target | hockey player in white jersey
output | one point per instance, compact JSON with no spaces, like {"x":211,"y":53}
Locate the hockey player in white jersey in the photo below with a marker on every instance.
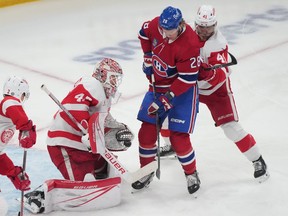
{"x":13,"y":117}
{"x":90,"y":183}
{"x":216,"y":93}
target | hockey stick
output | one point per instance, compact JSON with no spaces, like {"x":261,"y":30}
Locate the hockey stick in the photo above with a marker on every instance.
{"x":233,"y":62}
{"x":21,"y":212}
{"x":158,"y":172}
{"x":105,"y":153}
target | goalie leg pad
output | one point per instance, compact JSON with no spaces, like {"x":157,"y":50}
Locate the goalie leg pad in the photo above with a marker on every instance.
{"x":66,"y":195}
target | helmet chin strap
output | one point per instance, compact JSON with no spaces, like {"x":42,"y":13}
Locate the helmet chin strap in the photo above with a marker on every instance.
{"x":23,"y":98}
{"x":116,"y":97}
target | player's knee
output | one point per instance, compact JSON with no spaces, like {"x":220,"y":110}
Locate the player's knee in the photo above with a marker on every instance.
{"x":180,"y":141}
{"x":234,"y":131}
{"x":147,"y":134}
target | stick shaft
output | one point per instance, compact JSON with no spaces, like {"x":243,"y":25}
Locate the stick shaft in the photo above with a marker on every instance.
{"x":44,"y":88}
{"x":23,"y":174}
{"x":158,"y":171}
{"x":233,"y":62}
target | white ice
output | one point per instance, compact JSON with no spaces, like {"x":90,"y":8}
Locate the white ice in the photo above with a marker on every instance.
{"x":43,"y":40}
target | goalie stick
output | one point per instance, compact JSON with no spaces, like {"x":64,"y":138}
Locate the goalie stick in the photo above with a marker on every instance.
{"x":105,"y":153}
{"x":233,"y":62}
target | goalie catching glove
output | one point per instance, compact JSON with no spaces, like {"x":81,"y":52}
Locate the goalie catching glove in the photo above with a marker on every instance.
{"x":118,"y":139}
{"x":114,"y":135}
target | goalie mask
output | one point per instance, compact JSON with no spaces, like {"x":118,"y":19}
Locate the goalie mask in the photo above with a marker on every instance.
{"x":16,"y":87}
{"x":109,"y":73}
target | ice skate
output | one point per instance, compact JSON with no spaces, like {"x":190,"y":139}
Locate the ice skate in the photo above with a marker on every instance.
{"x":193,"y":183}
{"x":166,"y":151}
{"x":143,"y":182}
{"x":34,"y":201}
{"x":260,"y":170}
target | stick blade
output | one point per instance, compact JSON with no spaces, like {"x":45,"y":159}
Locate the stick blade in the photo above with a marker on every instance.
{"x":158,"y":173}
{"x":146,"y":170}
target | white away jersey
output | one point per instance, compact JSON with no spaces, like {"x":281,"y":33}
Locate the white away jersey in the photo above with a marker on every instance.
{"x":86,"y":98}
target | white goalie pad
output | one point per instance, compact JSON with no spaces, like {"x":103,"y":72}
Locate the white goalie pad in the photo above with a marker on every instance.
{"x":66,"y":195}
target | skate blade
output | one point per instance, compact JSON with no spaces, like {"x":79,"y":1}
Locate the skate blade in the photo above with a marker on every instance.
{"x":195,"y":195}
{"x":139,"y":190}
{"x":263,"y":178}
{"x":169,"y":157}
{"x":134,"y":191}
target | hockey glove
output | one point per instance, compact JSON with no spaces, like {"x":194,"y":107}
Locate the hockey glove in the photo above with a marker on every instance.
{"x":147,"y":64}
{"x":125,"y":136}
{"x":205,"y":74}
{"x":20,"y":181}
{"x":162,"y":105}
{"x":27,"y":138}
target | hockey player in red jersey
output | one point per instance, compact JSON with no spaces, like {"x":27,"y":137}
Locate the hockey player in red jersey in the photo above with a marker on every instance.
{"x":92,"y":184}
{"x":215,"y":91}
{"x":171,"y":58}
{"x":12,"y":118}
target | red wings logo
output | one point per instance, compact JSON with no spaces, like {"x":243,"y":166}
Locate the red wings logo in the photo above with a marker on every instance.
{"x":7,"y":135}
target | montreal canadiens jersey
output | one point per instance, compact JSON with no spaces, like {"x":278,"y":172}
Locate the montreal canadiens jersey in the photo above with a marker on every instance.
{"x":175,"y":63}
{"x":86,"y":98}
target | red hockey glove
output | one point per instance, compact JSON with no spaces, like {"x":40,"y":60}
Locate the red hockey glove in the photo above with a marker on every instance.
{"x":205,"y":74}
{"x":20,"y":182}
{"x":162,"y":105}
{"x":147,"y":64}
{"x":7,"y":165}
{"x":27,"y":138}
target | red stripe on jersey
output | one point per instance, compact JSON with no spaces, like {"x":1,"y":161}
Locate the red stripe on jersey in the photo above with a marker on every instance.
{"x":57,"y":183}
{"x":64,"y":134}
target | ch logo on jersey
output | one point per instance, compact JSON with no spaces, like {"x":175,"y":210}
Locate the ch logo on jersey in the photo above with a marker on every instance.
{"x":159,"y":66}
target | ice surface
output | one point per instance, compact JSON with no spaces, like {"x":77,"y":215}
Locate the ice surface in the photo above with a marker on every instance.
{"x":55,"y":42}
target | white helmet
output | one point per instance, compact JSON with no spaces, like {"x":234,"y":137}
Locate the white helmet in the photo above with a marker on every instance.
{"x":109,"y":73}
{"x":16,"y":87}
{"x":206,"y":16}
